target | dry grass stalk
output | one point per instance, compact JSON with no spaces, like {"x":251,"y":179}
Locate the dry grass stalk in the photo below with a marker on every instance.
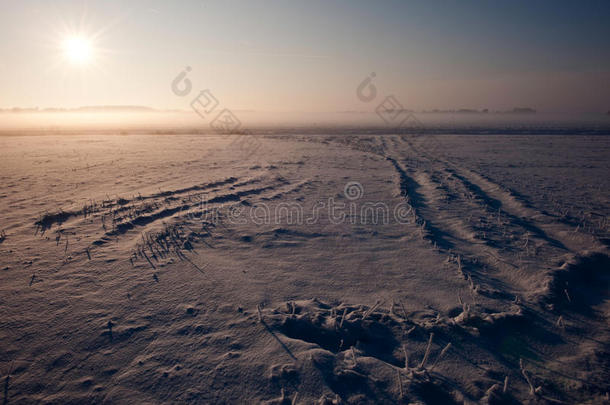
{"x":399,"y":384}
{"x":492,"y":390}
{"x":427,"y":353}
{"x":527,"y":378}
{"x":560,"y":322}
{"x":440,"y":355}
{"x":371,"y":310}
{"x":404,"y":350}
{"x":342,"y":318}
{"x":260,"y":314}
{"x":465,"y":307}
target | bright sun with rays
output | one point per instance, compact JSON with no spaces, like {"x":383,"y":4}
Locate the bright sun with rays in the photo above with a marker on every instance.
{"x":78,"y":50}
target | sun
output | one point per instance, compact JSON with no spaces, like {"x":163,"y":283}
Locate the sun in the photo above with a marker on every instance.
{"x":78,"y":50}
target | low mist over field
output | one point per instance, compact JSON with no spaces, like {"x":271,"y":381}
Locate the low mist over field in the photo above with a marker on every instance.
{"x":130,"y":119}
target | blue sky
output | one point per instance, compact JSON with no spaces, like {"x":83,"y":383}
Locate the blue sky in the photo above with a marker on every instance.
{"x":310,"y":55}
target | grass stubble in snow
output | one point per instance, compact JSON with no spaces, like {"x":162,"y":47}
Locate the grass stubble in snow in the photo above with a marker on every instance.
{"x":147,"y":269}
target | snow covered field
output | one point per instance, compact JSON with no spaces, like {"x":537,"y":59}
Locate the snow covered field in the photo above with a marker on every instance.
{"x":292,"y":269}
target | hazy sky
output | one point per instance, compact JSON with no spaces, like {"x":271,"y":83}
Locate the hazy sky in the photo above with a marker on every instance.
{"x":309,"y":55}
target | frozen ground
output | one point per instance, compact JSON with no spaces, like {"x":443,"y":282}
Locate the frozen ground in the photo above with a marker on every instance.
{"x":295,"y":269}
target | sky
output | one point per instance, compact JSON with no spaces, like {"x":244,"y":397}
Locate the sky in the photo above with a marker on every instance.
{"x":308,"y":56}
